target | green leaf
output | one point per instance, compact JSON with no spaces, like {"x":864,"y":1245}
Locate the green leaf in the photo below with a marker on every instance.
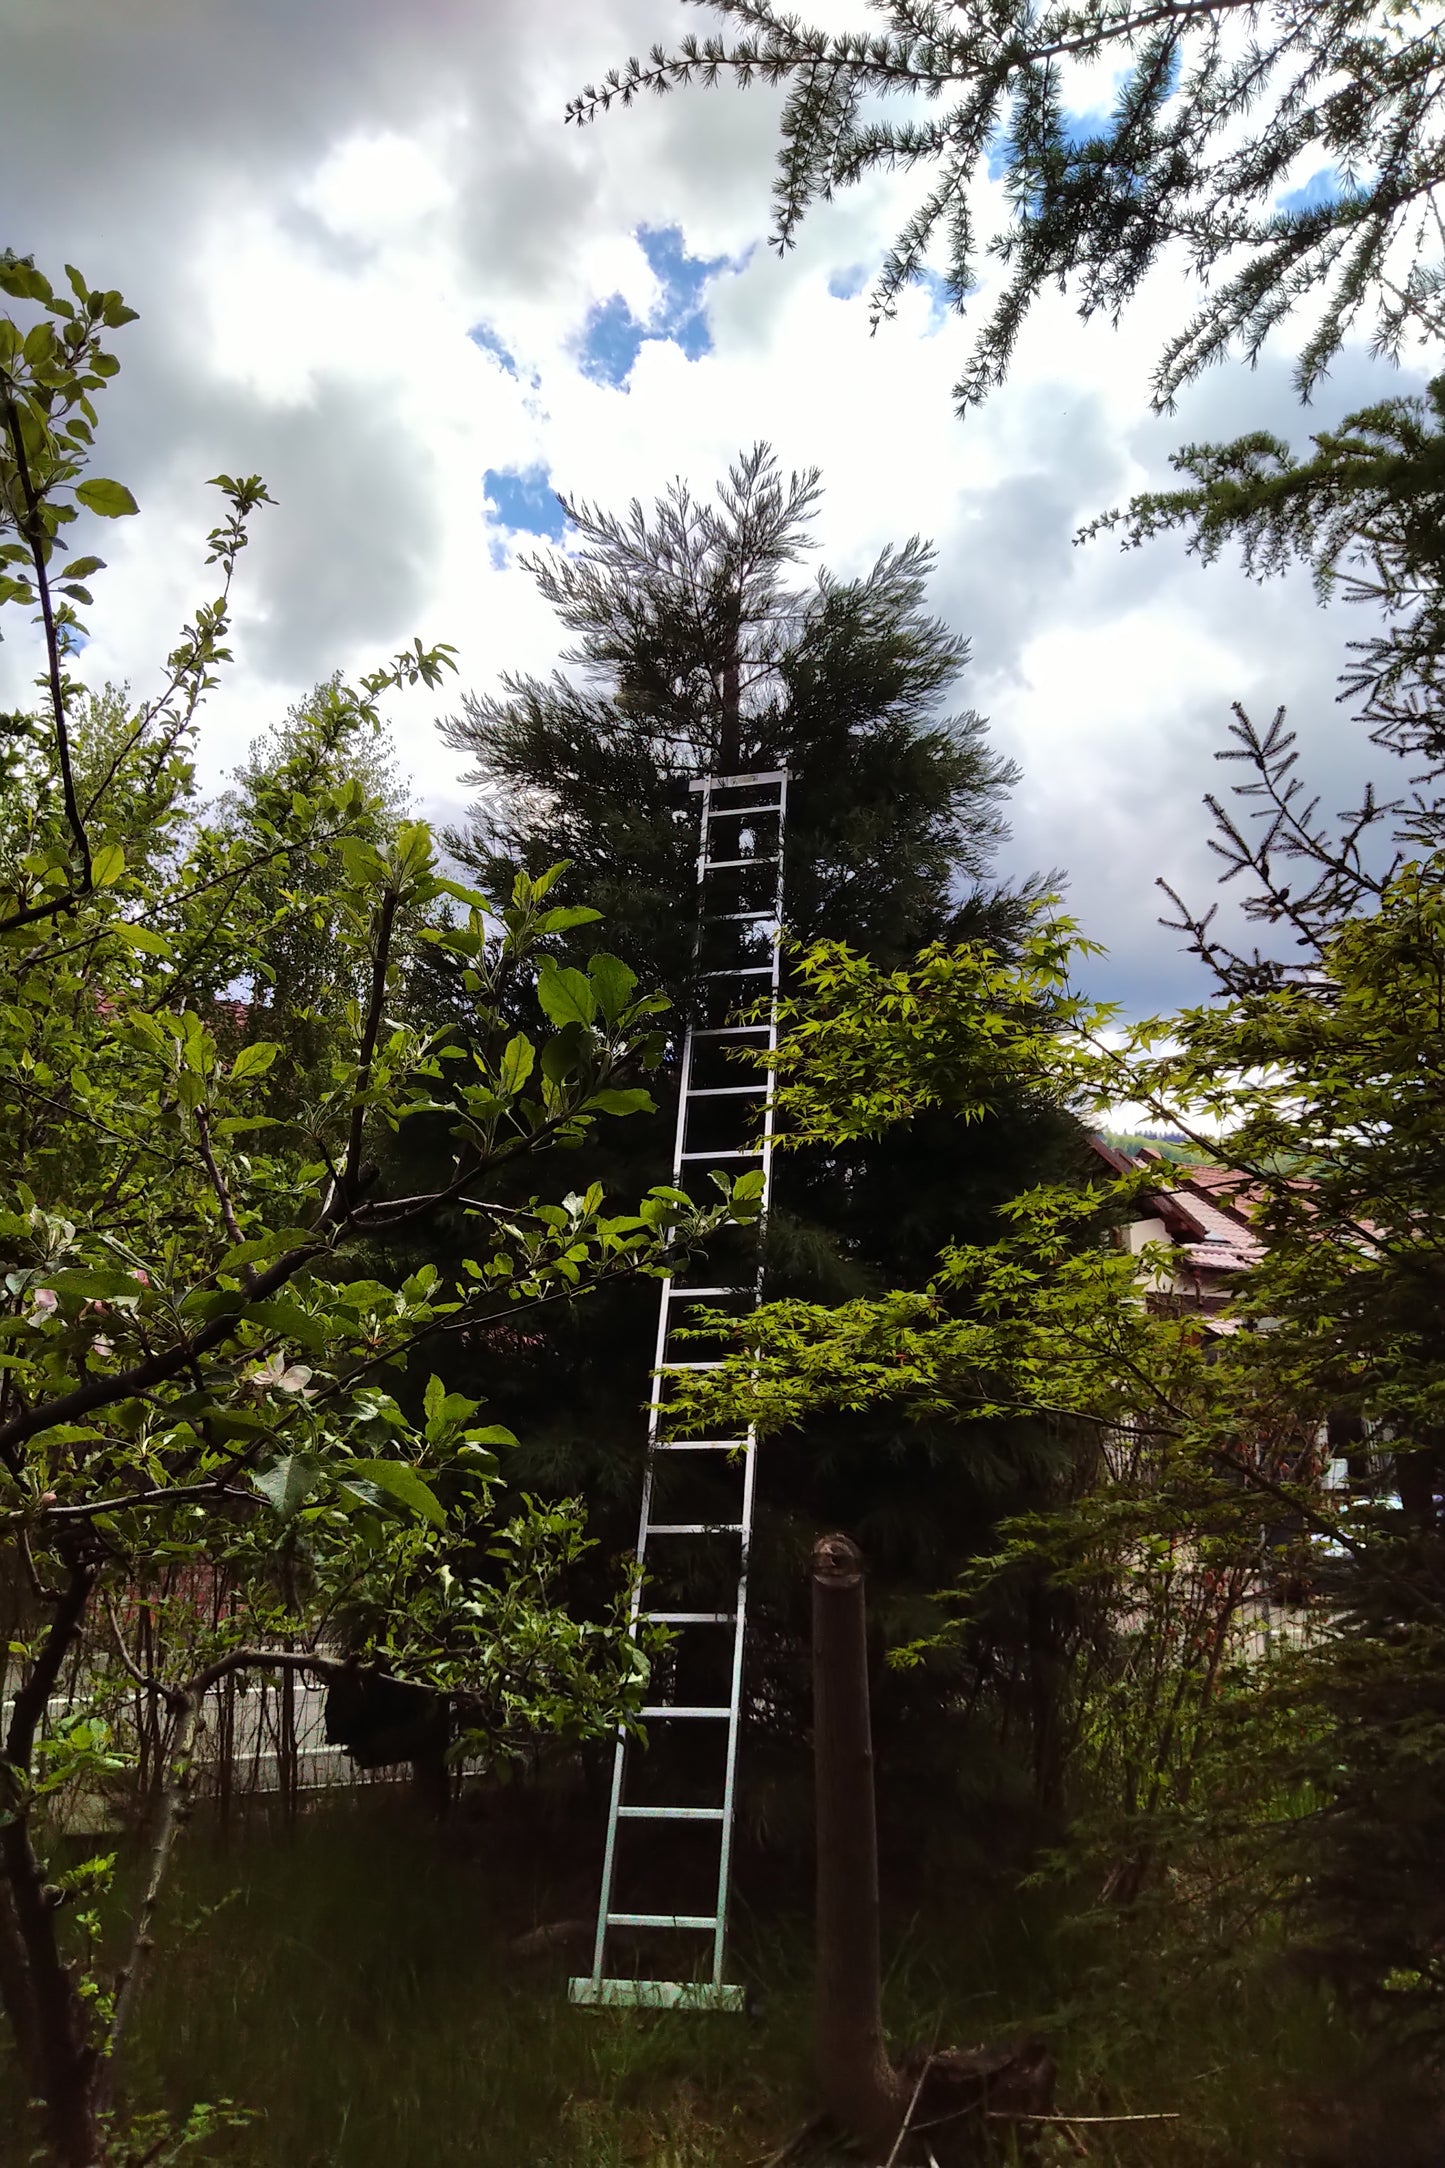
{"x":566,"y":995}
{"x":143,"y":938}
{"x":18,"y":276}
{"x":517,"y":1064}
{"x":635,"y":1101}
{"x":286,"y":1317}
{"x":247,"y":1253}
{"x":288,"y":1484}
{"x":94,"y":1283}
{"x":207,"y":1305}
{"x":80,"y":568}
{"x":463,"y":894}
{"x":561,"y":1055}
{"x":363,"y":864}
{"x":253,"y":1060}
{"x":109,"y":500}
{"x":402,"y":1483}
{"x":528,"y":889}
{"x":107,"y":865}
{"x":434,"y":1398}
{"x":565,"y":917}
{"x":613,"y":983}
{"x":39,"y":346}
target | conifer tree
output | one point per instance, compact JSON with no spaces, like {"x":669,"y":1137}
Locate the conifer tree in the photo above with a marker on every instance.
{"x":701,"y":647}
{"x":698,"y":654}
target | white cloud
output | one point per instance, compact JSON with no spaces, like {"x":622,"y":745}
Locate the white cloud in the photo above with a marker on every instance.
{"x":313,"y":208}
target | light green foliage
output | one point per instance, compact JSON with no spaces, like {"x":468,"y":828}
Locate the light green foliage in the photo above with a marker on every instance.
{"x":964,"y":1027}
{"x":995,"y":1332}
{"x":206,"y":1369}
{"x":1213,"y":109}
{"x":1195,"y":1458}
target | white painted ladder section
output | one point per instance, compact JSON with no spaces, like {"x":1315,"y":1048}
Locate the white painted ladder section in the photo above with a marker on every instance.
{"x":742,"y":822}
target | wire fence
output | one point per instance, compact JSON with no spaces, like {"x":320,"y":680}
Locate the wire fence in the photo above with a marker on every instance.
{"x":257,"y":1735}
{"x":256,"y":1738}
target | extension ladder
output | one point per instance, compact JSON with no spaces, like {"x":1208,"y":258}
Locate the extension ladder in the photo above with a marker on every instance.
{"x":738,"y":957}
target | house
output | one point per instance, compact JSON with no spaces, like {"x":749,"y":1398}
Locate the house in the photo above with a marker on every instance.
{"x":1205,"y":1214}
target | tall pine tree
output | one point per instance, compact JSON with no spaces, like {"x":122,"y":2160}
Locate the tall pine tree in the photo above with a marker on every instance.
{"x":701,"y":646}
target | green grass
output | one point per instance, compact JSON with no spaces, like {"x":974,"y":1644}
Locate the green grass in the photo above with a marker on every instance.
{"x":352,"y":1982}
{"x":360,"y":1990}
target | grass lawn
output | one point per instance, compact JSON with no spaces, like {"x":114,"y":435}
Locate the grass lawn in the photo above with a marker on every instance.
{"x":353,"y":1982}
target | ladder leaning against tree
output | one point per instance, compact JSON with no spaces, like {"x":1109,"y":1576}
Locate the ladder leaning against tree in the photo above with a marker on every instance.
{"x":720,"y":1120}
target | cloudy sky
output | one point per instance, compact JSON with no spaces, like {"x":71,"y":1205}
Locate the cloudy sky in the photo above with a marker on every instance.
{"x":374,"y":266}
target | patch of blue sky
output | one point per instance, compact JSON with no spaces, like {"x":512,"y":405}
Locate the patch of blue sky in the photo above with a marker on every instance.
{"x":612,"y":337}
{"x":843,"y":285}
{"x":1083,"y":127}
{"x":940,"y":298}
{"x":482,"y":335}
{"x":522,"y":500}
{"x":611,"y":342}
{"x":684,"y":280}
{"x":1323,"y":186}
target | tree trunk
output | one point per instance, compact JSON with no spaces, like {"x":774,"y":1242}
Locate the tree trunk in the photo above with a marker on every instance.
{"x":48,"y":2017}
{"x":859,"y":2088}
{"x":729,"y":758}
{"x":50,"y":2021}
{"x":730,"y":734}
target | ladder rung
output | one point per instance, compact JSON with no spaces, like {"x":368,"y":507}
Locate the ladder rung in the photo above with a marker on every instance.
{"x":734,"y":918}
{"x":741,"y":971}
{"x":728,"y":1091}
{"x":730,"y":865}
{"x":759,"y":776}
{"x":671,"y":1814}
{"x":700,"y":1445}
{"x":661,"y":1919}
{"x":657,"y":1994}
{"x":691,"y":1618}
{"x":728,"y":1031}
{"x":671,"y":1709}
{"x":693,"y":1528}
{"x":695,"y":1294}
{"x":717,"y":1365}
{"x":753,"y":1151}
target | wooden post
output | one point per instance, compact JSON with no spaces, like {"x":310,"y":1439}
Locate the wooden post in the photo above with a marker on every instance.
{"x":858,"y":2086}
{"x":288,"y":1758}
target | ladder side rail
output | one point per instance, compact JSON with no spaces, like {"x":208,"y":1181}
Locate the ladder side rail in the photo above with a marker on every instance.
{"x":750,"y":1449}
{"x":654,"y":1417}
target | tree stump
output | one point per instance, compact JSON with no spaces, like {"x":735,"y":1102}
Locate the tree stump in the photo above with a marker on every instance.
{"x":963,"y":2088}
